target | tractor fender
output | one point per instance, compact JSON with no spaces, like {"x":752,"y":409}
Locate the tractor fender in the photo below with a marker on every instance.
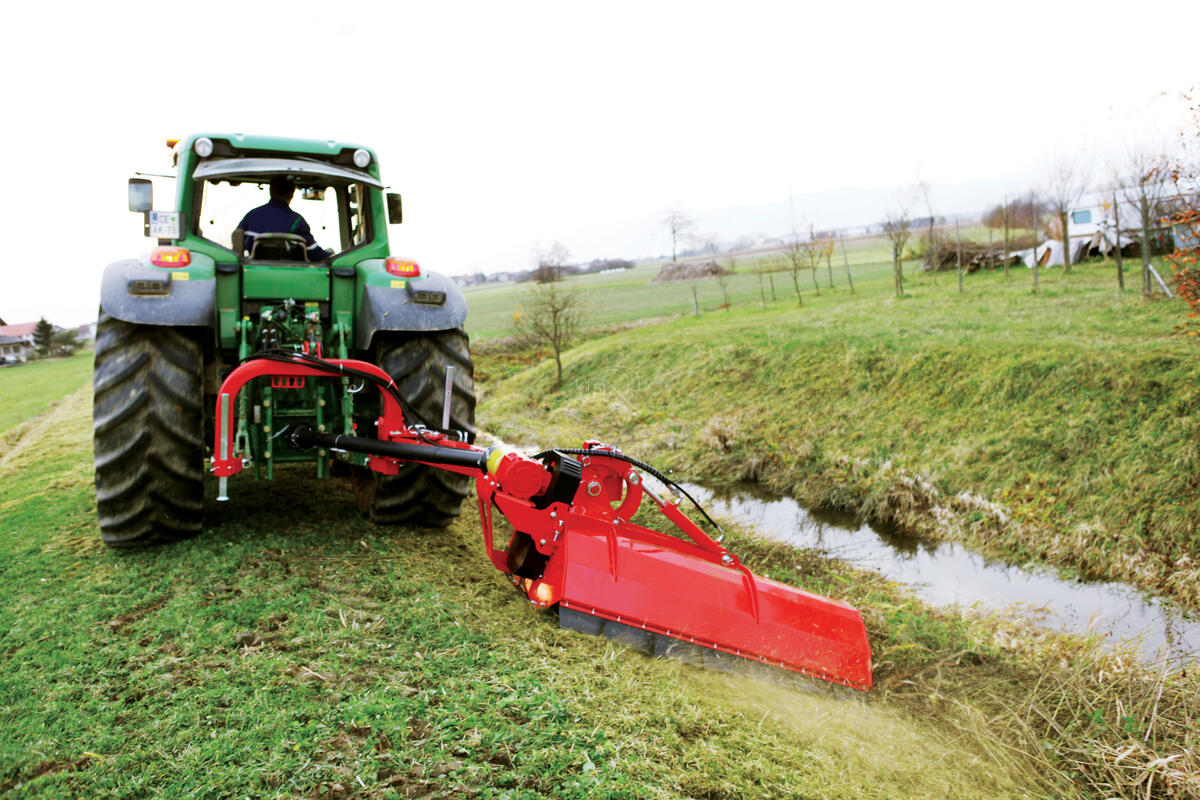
{"x":133,"y":291}
{"x":395,"y":307}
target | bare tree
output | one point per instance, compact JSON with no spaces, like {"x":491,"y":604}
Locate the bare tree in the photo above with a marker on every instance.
{"x":709,"y":245}
{"x":958,"y":255}
{"x":898,"y":227}
{"x":1143,"y":179}
{"x":795,"y":256}
{"x":846,"y":261}
{"x":1117,"y":243}
{"x":1006,"y":219}
{"x":681,"y":228}
{"x":933,"y":244}
{"x":549,"y":261}
{"x":827,"y":243}
{"x":723,"y":279}
{"x":550,"y":315}
{"x":1184,"y":212}
{"x":1064,"y":185}
{"x":1034,"y":218}
{"x":813,"y":253}
{"x":1115,"y":231}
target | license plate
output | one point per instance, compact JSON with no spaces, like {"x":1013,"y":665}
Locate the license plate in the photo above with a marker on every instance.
{"x":164,"y":224}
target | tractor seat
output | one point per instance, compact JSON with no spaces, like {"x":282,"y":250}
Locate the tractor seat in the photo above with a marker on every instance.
{"x":279,"y":247}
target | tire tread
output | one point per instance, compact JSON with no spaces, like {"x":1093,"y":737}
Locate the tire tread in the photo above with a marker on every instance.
{"x":421,"y":495}
{"x":147,"y":433}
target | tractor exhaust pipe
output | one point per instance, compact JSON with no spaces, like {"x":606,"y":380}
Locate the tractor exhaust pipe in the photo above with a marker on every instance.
{"x":304,"y":437}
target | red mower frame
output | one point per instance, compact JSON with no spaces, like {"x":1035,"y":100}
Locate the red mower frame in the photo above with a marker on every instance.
{"x":574,"y":545}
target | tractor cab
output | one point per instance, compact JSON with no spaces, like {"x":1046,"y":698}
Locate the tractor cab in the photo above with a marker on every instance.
{"x":333,"y":199}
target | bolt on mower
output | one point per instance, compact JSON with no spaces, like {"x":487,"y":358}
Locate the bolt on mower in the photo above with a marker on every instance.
{"x":356,"y":362}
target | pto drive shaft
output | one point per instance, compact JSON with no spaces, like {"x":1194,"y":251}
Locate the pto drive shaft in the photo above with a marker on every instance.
{"x":304,"y":437}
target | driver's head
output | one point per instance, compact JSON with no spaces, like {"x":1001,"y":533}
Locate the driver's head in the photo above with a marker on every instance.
{"x":282,"y":188}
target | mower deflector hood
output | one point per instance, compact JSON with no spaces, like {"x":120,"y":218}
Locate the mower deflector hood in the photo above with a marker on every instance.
{"x":651,"y":581}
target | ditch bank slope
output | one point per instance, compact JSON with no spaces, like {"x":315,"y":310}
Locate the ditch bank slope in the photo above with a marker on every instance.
{"x":1059,"y":429}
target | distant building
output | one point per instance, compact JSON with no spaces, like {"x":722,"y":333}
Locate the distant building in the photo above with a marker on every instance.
{"x":14,"y":348}
{"x":22,"y":331}
{"x":17,"y":341}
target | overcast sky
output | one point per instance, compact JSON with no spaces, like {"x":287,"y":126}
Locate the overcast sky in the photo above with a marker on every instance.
{"x":506,"y":124}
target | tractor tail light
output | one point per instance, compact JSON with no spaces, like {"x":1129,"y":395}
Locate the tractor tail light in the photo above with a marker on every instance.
{"x":401,"y":268}
{"x":170,"y":257}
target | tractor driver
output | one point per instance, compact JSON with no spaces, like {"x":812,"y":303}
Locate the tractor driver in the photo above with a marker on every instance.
{"x":277,"y":217}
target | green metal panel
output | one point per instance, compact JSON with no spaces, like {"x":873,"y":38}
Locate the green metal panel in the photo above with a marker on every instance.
{"x":342,"y":305}
{"x":229,"y":304}
{"x":299,"y":283}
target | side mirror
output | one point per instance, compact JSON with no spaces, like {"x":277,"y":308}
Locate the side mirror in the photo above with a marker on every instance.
{"x":395,"y":213}
{"x":141,"y":194}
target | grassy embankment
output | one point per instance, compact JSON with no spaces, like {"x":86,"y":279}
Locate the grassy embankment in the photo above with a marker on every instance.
{"x":295,"y":650}
{"x":1061,"y":426}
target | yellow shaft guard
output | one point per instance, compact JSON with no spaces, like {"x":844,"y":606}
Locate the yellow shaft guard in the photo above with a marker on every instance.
{"x":494,"y":456}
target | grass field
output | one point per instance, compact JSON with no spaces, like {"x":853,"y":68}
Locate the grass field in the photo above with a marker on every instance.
{"x":629,"y":296}
{"x":31,"y":388}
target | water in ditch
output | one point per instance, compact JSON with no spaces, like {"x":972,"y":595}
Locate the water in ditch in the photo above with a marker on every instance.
{"x":946,"y":573}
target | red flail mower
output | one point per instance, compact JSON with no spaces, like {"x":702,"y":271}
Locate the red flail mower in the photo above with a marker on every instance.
{"x":573,"y":545}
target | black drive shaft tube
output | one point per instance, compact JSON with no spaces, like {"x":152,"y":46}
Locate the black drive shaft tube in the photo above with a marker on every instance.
{"x":304,"y":437}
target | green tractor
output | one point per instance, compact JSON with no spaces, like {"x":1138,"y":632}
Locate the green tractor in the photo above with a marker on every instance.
{"x":177,"y":320}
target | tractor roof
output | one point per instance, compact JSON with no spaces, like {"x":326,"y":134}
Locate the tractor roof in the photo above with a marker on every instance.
{"x":264,"y":168}
{"x":280,"y":144}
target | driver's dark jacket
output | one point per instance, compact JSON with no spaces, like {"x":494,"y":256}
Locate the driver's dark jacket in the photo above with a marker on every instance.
{"x":277,"y":217}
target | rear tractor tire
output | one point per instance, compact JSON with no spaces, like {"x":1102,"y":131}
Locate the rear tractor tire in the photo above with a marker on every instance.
{"x":417,"y":362}
{"x":147,"y":422}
